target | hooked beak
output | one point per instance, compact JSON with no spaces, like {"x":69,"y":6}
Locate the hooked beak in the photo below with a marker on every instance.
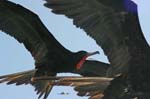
{"x":79,"y":65}
{"x":92,"y":53}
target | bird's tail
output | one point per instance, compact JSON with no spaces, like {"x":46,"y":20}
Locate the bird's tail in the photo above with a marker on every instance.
{"x":42,"y":88}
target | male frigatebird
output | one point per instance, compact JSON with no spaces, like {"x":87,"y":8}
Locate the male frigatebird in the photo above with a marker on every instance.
{"x":49,"y":55}
{"x":115,"y":26}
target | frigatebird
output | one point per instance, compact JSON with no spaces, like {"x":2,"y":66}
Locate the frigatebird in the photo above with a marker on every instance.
{"x":49,"y":55}
{"x":115,"y":26}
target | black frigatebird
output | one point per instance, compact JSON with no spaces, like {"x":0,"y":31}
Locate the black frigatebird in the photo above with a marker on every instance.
{"x":114,"y":24}
{"x":49,"y":55}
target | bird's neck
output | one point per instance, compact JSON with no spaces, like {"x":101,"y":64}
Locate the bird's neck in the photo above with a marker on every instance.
{"x":80,"y":63}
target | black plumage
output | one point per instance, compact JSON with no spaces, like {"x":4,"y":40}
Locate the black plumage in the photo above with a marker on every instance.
{"x":114,"y":24}
{"x":93,"y":68}
{"x":49,"y":55}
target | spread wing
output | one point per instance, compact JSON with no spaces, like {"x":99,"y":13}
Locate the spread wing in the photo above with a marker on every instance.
{"x":85,"y":86}
{"x":26,"y":27}
{"x":113,"y":24}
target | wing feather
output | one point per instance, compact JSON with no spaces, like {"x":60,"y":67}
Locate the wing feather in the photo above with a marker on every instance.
{"x":26,"y":27}
{"x":113,"y":24}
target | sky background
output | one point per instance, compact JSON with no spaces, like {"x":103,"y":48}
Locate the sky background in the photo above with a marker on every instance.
{"x":15,"y":58}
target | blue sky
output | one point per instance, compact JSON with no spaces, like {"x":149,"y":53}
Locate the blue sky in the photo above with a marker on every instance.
{"x":14,"y":57}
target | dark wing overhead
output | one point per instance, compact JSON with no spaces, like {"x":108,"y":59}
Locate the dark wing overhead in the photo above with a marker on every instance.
{"x":112,"y":23}
{"x":27,"y":28}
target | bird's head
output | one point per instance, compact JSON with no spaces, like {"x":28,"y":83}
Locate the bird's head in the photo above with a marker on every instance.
{"x":82,"y":56}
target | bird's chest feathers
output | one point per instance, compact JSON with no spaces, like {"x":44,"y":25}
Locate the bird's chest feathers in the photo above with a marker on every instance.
{"x":62,"y":66}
